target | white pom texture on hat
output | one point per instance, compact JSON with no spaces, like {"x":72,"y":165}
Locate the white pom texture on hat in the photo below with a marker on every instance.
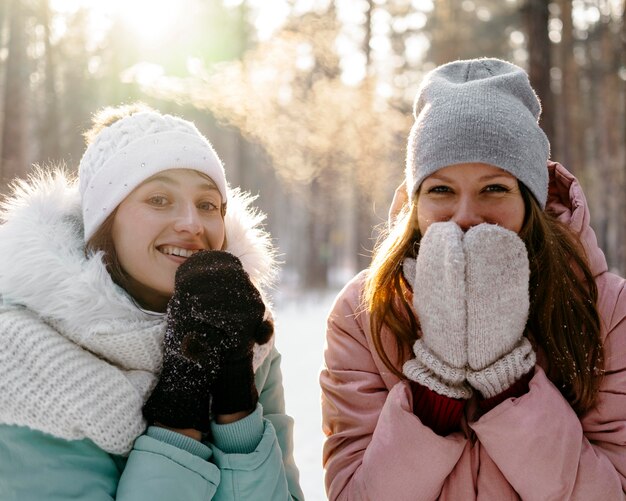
{"x":131,"y":150}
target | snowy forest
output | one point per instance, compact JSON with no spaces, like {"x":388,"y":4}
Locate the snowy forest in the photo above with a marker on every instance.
{"x":309,"y":103}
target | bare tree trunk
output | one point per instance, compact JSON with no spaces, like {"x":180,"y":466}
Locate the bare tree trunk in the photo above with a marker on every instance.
{"x":79,"y":95}
{"x":445,"y":33}
{"x":315,"y":271}
{"x":3,"y":20}
{"x":603,"y":176}
{"x":571,"y":137}
{"x":611,"y":96}
{"x":50,"y":126}
{"x":3,"y":15}
{"x":621,"y":221}
{"x":363,"y":219}
{"x":16,"y":85}
{"x":238,"y":149}
{"x":536,"y":16}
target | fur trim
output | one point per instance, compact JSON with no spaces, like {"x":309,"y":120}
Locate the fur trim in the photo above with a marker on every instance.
{"x":44,"y":268}
{"x":43,"y":265}
{"x":81,"y":359}
{"x":246,"y":238}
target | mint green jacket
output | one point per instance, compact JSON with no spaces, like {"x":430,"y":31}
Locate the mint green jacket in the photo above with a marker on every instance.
{"x":251,"y":459}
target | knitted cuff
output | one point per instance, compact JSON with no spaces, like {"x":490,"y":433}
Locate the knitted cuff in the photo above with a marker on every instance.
{"x":449,"y":375}
{"x":440,"y":413}
{"x":505,"y":371}
{"x":240,"y":437}
{"x":180,"y":441}
{"x":416,"y":371}
{"x":516,"y":390}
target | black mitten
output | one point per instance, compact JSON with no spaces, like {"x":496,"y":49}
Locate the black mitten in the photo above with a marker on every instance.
{"x":231,"y":308}
{"x":182,"y":397}
{"x":234,"y":389}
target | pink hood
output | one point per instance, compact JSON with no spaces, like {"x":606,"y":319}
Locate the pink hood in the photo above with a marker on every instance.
{"x":567,"y":200}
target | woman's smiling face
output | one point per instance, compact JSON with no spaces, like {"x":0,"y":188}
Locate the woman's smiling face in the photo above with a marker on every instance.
{"x":164,"y":220}
{"x":470,"y":194}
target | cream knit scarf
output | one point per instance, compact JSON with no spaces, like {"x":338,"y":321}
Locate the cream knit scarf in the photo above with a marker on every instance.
{"x":49,"y":383}
{"x":77,"y":357}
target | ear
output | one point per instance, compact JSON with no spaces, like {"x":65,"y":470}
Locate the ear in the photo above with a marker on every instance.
{"x":264,"y":332}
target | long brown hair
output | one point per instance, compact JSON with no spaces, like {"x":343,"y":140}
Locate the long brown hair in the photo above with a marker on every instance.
{"x":563,"y":317}
{"x":102,"y":240}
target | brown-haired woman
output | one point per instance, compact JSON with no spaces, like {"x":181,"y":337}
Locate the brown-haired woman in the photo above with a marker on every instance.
{"x":483,"y":353}
{"x":136,"y":349}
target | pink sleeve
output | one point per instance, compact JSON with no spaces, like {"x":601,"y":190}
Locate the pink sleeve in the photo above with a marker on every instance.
{"x":376,"y":448}
{"x":565,"y":456}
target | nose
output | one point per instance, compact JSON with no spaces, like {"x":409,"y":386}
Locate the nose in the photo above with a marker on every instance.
{"x":188,"y":220}
{"x":467,"y":214}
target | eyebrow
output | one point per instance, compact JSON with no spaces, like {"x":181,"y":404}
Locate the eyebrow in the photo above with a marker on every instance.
{"x":206,"y":184}
{"x":486,"y":177}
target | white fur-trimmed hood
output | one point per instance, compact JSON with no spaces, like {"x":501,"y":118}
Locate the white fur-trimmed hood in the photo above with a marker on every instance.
{"x":80,"y":360}
{"x":42,"y":261}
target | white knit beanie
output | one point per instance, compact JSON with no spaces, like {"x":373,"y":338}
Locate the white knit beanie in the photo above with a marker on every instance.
{"x":478,"y":110}
{"x":131,"y":150}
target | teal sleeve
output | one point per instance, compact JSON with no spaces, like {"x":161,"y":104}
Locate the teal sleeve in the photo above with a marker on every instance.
{"x":269,"y":470}
{"x":165,"y":465}
{"x":36,"y":466}
{"x":240,"y":437}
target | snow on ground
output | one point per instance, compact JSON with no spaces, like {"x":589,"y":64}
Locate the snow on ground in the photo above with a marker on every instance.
{"x":300,"y":332}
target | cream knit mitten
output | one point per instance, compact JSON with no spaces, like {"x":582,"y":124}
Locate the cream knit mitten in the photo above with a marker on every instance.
{"x":497,"y":276}
{"x":439,"y":299}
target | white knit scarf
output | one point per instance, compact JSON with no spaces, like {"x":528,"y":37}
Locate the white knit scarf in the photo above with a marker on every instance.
{"x":77,"y":357}
{"x":51,"y":384}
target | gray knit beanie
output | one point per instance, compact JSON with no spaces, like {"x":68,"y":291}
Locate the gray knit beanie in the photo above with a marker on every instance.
{"x":478,"y":110}
{"x":134,"y":148}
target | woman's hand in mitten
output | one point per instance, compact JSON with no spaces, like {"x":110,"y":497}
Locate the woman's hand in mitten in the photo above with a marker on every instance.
{"x":231,"y":310}
{"x":438,"y":282}
{"x":182,"y":397}
{"x":497,"y":274}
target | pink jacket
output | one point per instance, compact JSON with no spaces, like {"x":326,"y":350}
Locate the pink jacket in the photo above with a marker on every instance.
{"x":531,"y":447}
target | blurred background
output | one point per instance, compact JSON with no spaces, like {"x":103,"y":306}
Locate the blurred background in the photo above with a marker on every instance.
{"x":308,"y":103}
